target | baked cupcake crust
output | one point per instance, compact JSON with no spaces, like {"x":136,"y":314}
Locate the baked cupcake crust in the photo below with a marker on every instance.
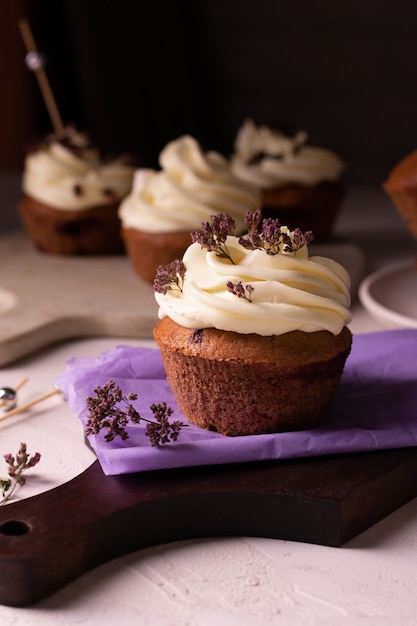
{"x":308,"y":208}
{"x":401,"y":187}
{"x":147,"y":251}
{"x":93,"y":231}
{"x":249,"y":384}
{"x":403,"y":175}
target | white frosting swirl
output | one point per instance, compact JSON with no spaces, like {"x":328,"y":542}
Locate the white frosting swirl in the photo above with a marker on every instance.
{"x":291,"y":291}
{"x":76,"y":179}
{"x":190,"y":187}
{"x":269,"y":159}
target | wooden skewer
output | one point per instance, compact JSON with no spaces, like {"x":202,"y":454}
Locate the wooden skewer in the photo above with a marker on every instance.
{"x":47,"y":94}
{"x":22,"y":382}
{"x":23,"y":407}
{"x":4,"y":401}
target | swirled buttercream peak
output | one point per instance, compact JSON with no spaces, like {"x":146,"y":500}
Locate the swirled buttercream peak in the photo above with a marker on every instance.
{"x":253,"y":291}
{"x":66,"y":173}
{"x":270,"y":159}
{"x":189,"y":187}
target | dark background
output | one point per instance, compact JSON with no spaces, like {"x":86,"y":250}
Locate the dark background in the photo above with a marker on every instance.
{"x":137,"y":74}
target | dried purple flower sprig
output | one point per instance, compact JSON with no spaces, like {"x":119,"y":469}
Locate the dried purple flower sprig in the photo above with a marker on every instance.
{"x":240,"y":290}
{"x":263,"y":234}
{"x":169,"y":277}
{"x":16,"y":466}
{"x":267,"y":234}
{"x":213,"y":235}
{"x":105,"y":412}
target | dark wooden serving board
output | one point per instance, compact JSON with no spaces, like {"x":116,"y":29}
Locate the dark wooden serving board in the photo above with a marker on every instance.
{"x":50,"y":539}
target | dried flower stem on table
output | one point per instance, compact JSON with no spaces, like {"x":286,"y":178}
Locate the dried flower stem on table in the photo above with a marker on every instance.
{"x":104,"y":413}
{"x":16,"y":467}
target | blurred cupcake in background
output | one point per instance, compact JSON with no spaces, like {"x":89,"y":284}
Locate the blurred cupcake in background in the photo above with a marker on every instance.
{"x":300,"y":183}
{"x":401,"y":187}
{"x":71,"y":196}
{"x":165,"y":206}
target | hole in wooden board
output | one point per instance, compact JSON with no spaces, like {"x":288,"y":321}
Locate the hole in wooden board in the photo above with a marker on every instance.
{"x":14,"y":528}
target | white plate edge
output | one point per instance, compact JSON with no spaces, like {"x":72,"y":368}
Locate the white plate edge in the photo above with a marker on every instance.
{"x":372,"y":305}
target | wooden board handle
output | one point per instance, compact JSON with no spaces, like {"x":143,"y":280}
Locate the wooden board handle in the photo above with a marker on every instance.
{"x":50,"y":539}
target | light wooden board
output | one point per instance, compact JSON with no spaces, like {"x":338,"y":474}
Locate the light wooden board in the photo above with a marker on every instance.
{"x":47,"y":298}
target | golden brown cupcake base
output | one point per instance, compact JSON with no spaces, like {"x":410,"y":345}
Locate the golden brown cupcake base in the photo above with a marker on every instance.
{"x":401,"y":188}
{"x":308,"y":208}
{"x":248,"y":384}
{"x":147,"y":251}
{"x":93,"y":231}
{"x":406,"y":204}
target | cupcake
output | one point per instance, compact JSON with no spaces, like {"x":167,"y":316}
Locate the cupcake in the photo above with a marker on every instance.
{"x":300,"y":183}
{"x":401,"y":188}
{"x":71,"y":197}
{"x":166,"y":205}
{"x":253,"y":332}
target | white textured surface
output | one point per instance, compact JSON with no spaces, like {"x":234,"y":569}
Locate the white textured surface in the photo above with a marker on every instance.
{"x":44,"y":298}
{"x":370,"y":581}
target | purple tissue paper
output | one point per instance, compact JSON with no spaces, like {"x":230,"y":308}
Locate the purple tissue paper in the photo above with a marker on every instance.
{"x":375,"y":408}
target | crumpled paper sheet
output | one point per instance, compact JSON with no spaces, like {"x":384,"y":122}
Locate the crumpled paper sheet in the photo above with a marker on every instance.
{"x":375,"y":408}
